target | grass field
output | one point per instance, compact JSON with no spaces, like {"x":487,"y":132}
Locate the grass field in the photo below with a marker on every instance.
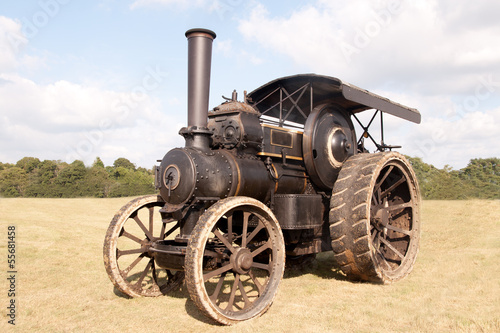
{"x":63,"y":287}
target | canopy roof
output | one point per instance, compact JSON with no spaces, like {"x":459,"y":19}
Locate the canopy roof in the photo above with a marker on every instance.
{"x":292,"y":98}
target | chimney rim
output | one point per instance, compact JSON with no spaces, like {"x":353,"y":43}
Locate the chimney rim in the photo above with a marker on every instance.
{"x":200,"y":32}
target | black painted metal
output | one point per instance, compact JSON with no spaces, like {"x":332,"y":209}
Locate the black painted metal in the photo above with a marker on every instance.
{"x":299,"y":211}
{"x":293,"y":98}
{"x":281,"y":151}
{"x":199,"y":63}
{"x":284,"y":145}
{"x":329,"y":139}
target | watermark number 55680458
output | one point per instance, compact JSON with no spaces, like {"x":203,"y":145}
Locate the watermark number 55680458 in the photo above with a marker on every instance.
{"x":11,"y":274}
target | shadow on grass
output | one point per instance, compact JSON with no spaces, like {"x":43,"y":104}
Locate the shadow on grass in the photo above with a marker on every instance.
{"x":321,"y":265}
{"x":194,"y":312}
{"x":181,"y":293}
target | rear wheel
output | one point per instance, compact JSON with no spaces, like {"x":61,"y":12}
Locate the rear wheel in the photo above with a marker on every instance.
{"x":374,"y":217}
{"x":235,"y":260}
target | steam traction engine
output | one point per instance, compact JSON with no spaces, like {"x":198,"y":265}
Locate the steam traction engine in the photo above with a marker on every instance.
{"x":279,"y":175}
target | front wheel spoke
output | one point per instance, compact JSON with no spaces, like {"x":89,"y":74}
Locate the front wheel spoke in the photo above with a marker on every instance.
{"x":144,"y":273}
{"x":217,"y":290}
{"x":141,"y":225}
{"x":246,"y":216}
{"x":259,"y":227}
{"x":120,"y":253}
{"x":244,"y":294}
{"x":151,"y":219}
{"x":132,"y":265}
{"x":171,"y":230}
{"x":258,"y":251}
{"x":259,"y":286}
{"x":232,"y":296}
{"x":262,"y":266}
{"x":224,"y":240}
{"x":390,"y":246}
{"x":215,"y":272}
{"x":130,"y":236}
{"x":155,"y":275}
{"x":230,"y":229}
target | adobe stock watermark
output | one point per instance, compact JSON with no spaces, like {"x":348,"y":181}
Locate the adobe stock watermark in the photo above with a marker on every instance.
{"x":363,"y":36}
{"x":31,"y":26}
{"x":223,"y":8}
{"x":485,"y":88}
{"x":121,"y":110}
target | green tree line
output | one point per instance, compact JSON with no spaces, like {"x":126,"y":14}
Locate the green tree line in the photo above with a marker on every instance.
{"x":479,"y":179}
{"x":30,"y":177}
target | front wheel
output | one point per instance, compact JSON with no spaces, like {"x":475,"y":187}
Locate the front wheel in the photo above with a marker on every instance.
{"x":128,"y":260}
{"x":235,"y":260}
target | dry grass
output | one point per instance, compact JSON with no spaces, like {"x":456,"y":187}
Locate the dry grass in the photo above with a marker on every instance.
{"x":63,"y":287}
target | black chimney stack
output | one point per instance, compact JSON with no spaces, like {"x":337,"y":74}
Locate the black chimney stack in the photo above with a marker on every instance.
{"x":199,"y":63}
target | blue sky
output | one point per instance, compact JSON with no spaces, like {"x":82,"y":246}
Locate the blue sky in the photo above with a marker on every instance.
{"x":81,"y":79}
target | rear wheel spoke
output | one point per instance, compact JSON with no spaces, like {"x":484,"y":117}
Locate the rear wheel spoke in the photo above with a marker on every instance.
{"x":394,"y":186}
{"x":402,"y":231}
{"x":390,"y":246}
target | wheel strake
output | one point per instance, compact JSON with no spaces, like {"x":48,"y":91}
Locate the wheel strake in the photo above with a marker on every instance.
{"x":128,"y":261}
{"x":235,"y":260}
{"x":374,"y":217}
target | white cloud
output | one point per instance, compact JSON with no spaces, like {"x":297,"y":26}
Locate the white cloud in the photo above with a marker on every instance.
{"x":11,"y":42}
{"x":456,"y":140}
{"x":369,"y":42}
{"x":68,"y":121}
{"x":432,"y":55}
{"x":178,"y":3}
